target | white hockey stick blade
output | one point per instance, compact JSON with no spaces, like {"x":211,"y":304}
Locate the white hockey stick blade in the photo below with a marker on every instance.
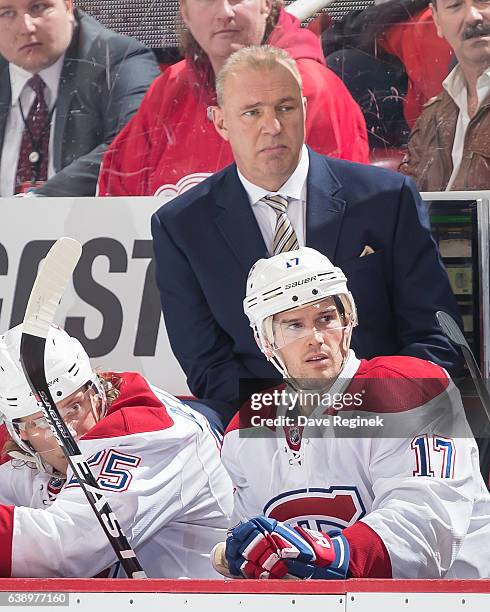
{"x":54,"y":275}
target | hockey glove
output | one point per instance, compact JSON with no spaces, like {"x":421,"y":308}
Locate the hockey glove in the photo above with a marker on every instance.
{"x":265,"y":548}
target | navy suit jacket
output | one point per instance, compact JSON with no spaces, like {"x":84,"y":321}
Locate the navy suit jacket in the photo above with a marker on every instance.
{"x":207,"y":239}
{"x":103,"y":80}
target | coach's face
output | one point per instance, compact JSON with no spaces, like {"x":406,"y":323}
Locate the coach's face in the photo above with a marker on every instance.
{"x":35,"y":33}
{"x":263,"y":118}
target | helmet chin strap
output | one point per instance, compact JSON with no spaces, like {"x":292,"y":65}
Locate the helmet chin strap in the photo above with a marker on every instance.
{"x":265,"y":342}
{"x":27,"y":453}
{"x":29,"y":458}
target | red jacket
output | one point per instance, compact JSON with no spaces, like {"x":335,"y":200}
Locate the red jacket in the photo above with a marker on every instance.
{"x":170,"y":144}
{"x":425,"y":56}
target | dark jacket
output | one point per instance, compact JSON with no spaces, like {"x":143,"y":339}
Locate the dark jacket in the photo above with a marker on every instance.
{"x":103,"y":80}
{"x":207,"y":239}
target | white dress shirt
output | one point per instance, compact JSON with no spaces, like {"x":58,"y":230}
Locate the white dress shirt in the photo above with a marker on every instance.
{"x":14,"y":127}
{"x":294,"y":189}
{"x":455,"y":85}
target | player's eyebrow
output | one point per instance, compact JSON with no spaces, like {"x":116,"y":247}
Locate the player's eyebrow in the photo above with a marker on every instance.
{"x":325,"y":310}
{"x":289,"y":320}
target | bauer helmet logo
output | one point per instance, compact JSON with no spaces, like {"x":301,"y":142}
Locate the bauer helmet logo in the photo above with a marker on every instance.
{"x":303,"y":281}
{"x":294,"y":261}
{"x":55,"y":380}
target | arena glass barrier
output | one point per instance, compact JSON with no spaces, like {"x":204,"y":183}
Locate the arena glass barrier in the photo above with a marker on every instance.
{"x":460,"y":223}
{"x":252,"y":595}
{"x":113,"y":305}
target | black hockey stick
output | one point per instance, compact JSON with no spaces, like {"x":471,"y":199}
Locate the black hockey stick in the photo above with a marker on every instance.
{"x":455,"y":335}
{"x":50,"y":284}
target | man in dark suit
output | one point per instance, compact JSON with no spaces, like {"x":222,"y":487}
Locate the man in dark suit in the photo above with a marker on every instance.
{"x":92,"y":82}
{"x":369,"y":221}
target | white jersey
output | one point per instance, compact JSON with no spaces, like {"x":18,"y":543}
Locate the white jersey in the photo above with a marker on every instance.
{"x":408,"y":485}
{"x":157,"y":462}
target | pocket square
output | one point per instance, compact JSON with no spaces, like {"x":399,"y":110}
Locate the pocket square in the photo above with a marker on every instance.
{"x":367,"y":250}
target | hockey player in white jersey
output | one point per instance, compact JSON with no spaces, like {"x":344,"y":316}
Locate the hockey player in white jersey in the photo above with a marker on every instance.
{"x":154,"y":458}
{"x":318,"y":496}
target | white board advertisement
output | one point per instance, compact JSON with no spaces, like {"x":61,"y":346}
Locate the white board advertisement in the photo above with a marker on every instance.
{"x":112,"y":306}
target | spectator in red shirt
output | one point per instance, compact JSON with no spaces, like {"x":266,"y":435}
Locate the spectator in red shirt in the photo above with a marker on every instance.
{"x":172,"y":145}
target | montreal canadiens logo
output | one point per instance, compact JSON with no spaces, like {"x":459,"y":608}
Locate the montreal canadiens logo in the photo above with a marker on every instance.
{"x":317,"y":508}
{"x":54,"y":487}
{"x":294,"y":435}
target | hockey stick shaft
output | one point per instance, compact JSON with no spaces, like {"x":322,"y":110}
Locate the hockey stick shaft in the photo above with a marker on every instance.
{"x":50,"y":284}
{"x":477,"y":378}
{"x":455,"y":335}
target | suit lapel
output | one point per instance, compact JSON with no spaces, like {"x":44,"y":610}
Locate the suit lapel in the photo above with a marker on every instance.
{"x":324,"y":213}
{"x":5,"y":97}
{"x":237,"y":222}
{"x":324,"y":210}
{"x":62,"y":108}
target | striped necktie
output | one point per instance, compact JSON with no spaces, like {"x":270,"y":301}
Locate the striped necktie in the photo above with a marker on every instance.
{"x":284,"y":236}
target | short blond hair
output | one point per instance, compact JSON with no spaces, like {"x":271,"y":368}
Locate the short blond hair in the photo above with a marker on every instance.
{"x":256,"y":57}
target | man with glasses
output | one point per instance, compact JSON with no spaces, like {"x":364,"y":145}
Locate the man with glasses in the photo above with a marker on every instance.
{"x":154,"y":458}
{"x":350,"y":468}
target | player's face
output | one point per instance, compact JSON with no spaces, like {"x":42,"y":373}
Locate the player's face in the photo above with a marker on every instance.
{"x":313,"y":341}
{"x":465,"y":24}
{"x":35,"y":33}
{"x":223,"y":26}
{"x":263,"y":118}
{"x":79,"y":411}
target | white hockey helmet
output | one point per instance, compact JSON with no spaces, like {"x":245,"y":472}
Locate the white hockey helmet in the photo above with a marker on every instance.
{"x":290,"y":280}
{"x":67,"y":368}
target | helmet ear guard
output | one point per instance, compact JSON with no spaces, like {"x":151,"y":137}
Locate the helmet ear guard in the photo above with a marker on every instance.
{"x":263,"y":344}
